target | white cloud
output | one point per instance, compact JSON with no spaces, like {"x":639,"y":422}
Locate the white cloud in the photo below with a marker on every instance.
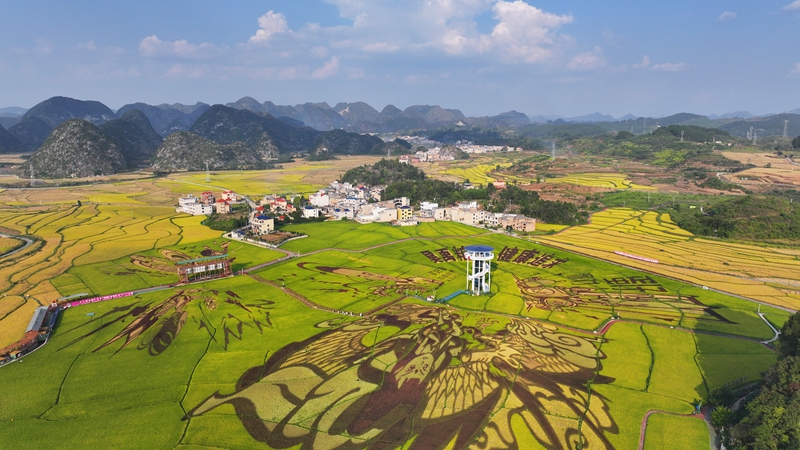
{"x":794,"y":6}
{"x":671,"y":67}
{"x":521,"y":34}
{"x":645,"y":62}
{"x":588,"y":60}
{"x":181,"y":70}
{"x":525,"y":31}
{"x":380,"y":47}
{"x":728,"y":15}
{"x":269,"y":24}
{"x":152,"y":46}
{"x":518,"y":33}
{"x":87,"y":46}
{"x":327,"y":70}
{"x":319,"y":51}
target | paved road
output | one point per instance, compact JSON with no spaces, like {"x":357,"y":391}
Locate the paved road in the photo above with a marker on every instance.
{"x":28,"y":243}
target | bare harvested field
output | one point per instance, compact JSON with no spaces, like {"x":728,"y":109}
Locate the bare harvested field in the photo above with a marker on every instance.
{"x":781,"y":173}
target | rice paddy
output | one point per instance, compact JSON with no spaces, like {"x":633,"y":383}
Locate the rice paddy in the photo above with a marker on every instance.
{"x":291,"y":178}
{"x":339,"y":347}
{"x":767,"y":274}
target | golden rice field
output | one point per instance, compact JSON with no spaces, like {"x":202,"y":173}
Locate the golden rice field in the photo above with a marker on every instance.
{"x":7,"y":244}
{"x":292,"y":178}
{"x":476,"y":174}
{"x":766,"y":274}
{"x":599,"y":180}
{"x":115,"y":227}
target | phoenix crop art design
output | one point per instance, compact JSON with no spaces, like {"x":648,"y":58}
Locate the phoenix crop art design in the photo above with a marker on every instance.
{"x":419,"y":375}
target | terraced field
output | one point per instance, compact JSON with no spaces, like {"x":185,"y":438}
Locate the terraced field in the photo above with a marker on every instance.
{"x":340,"y":345}
{"x":767,"y":274}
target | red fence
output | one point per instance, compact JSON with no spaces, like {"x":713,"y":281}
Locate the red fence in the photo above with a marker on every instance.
{"x":97,"y":299}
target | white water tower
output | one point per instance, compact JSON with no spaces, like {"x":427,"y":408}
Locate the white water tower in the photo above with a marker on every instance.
{"x":479,"y":268}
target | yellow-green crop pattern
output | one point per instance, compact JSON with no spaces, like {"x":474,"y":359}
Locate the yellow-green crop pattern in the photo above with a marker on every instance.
{"x":334,"y":341}
{"x":766,"y":274}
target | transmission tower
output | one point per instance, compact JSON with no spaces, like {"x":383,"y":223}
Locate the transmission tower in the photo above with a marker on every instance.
{"x":681,"y":135}
{"x":785,"y":128}
{"x":33,"y":179}
{"x":208,"y":174}
{"x":553,"y":157}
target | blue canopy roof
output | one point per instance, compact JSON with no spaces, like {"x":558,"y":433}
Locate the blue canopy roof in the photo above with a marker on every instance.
{"x":479,"y":248}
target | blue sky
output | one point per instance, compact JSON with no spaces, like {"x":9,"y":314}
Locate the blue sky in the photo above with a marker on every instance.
{"x":481,"y":56}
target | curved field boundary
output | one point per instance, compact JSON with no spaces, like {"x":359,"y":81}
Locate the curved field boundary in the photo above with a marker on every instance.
{"x":28,"y":243}
{"x":670,"y":277}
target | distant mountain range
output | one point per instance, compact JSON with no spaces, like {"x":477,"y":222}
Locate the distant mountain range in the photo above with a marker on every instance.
{"x":253,"y":133}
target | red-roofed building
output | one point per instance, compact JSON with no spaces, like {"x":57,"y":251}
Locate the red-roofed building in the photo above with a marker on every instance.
{"x":207,"y":198}
{"x":222,"y":206}
{"x":229,"y":196}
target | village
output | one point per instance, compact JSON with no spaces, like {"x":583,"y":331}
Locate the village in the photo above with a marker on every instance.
{"x":345,"y":201}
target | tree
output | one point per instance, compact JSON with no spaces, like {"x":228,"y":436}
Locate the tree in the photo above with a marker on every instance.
{"x":796,"y":142}
{"x":789,"y":340}
{"x":773,"y":417}
{"x":721,"y":417}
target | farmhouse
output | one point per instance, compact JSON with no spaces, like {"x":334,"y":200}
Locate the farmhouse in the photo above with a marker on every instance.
{"x":309,"y":212}
{"x":261,"y":224}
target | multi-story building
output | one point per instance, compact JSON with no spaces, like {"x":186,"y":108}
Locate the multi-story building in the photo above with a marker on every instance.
{"x":310,"y":212}
{"x":222,"y":206}
{"x":208,"y":198}
{"x":229,"y":196}
{"x":261,"y":224}
{"x":199,"y":209}
{"x":404,"y":213}
{"x":320,"y":199}
{"x":471,"y":216}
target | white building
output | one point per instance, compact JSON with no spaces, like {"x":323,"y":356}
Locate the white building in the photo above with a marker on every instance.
{"x":229,"y":196}
{"x":310,"y":212}
{"x":188,"y":200}
{"x":470,"y":216}
{"x":428,"y":205}
{"x":320,"y":199}
{"x":261,"y":224}
{"x":343,"y":213}
{"x":199,"y":209}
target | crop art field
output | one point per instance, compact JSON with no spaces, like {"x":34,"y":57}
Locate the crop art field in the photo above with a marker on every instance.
{"x":360,"y":337}
{"x":766,"y":274}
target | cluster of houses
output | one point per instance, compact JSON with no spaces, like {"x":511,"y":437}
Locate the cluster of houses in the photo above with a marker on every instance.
{"x":355,"y":202}
{"x":207,"y":203}
{"x":469,"y":147}
{"x":347,"y":201}
{"x":432,"y":154}
{"x":262,"y":218}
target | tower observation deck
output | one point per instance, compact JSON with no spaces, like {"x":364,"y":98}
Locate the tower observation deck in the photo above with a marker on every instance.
{"x":479,"y":268}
